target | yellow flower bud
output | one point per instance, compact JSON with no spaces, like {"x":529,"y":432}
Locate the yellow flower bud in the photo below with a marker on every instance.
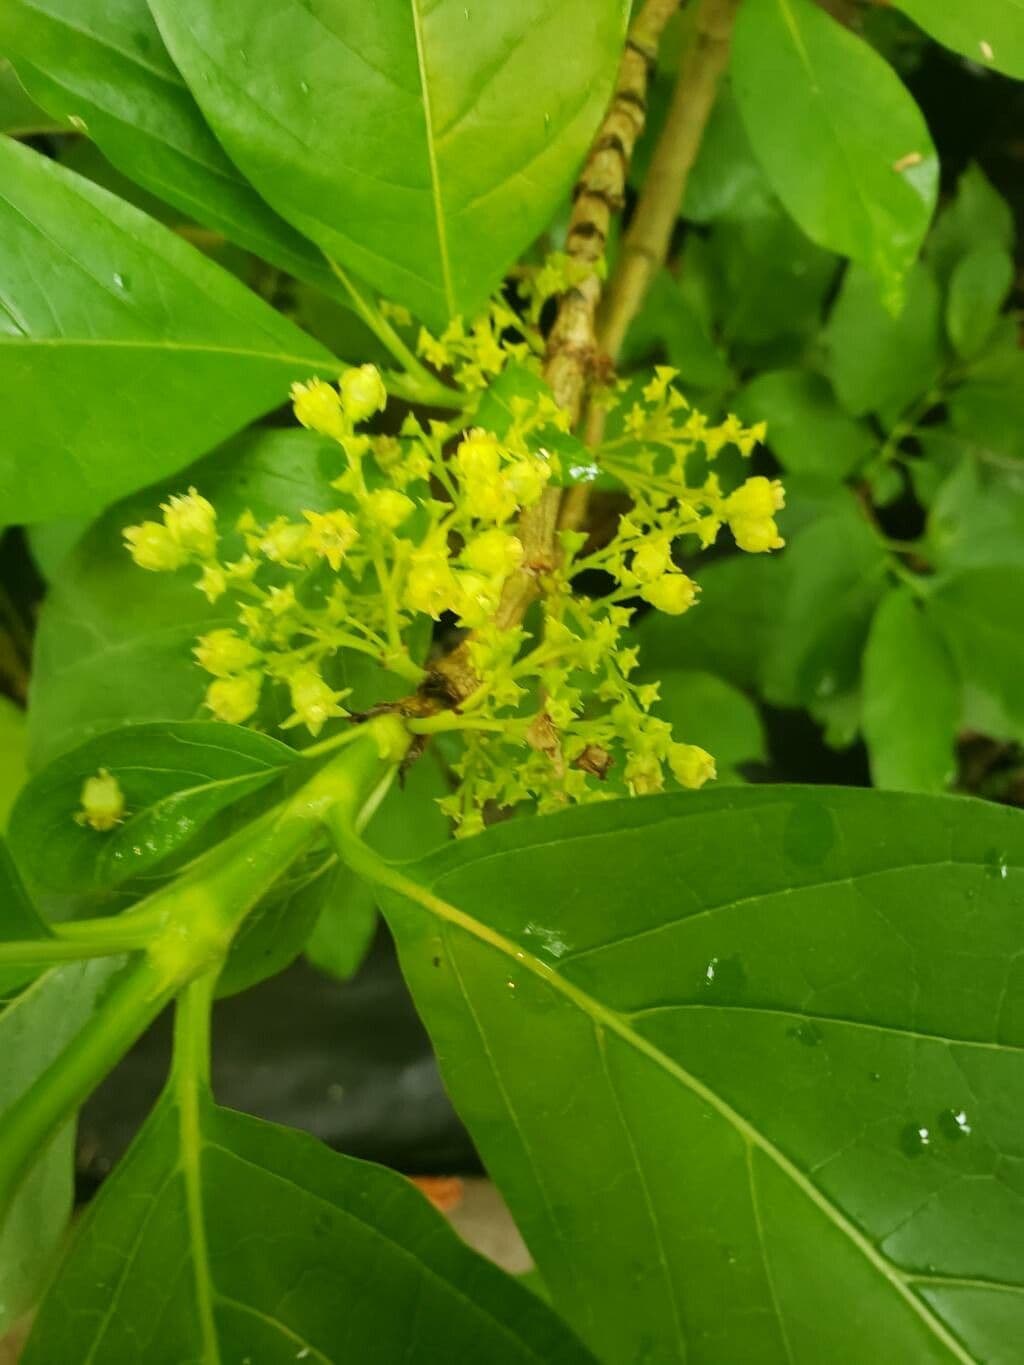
{"x":430,"y":585}
{"x":490,"y":499}
{"x":192,"y":521}
{"x":478,"y":456}
{"x":528,"y":479}
{"x":223,"y":652}
{"x":314,"y":702}
{"x":756,"y":536}
{"x":153,"y":547}
{"x":318,"y":406}
{"x":643,"y":774}
{"x":475,"y":600}
{"x":388,"y":508}
{"x":362,"y":392}
{"x":756,"y":499}
{"x":285,"y":542}
{"x":672,"y":593}
{"x":496,"y":553}
{"x":234,"y":700}
{"x":691,"y":766}
{"x":652,"y":559}
{"x":102,"y":802}
{"x":331,"y":535}
{"x":212,"y":582}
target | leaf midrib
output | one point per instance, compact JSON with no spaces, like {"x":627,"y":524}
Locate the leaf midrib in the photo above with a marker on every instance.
{"x":614,"y":1022}
{"x":435,"y":179}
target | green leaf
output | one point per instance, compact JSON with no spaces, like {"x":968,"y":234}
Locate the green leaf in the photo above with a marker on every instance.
{"x":789,"y":1023}
{"x":222,"y":1238}
{"x":34,"y":1029}
{"x":19,"y":920}
{"x":977,"y":216}
{"x":175,"y":777}
{"x":978,"y":288}
{"x":834,"y":575}
{"x":669,"y":323}
{"x":977,"y":517}
{"x":20,"y":116}
{"x":726,"y":180}
{"x":156,"y":353}
{"x":981,"y":613}
{"x":104,"y":66}
{"x":911,"y":700}
{"x":114,"y":642}
{"x":13,"y":747}
{"x":422,"y":146}
{"x":877,"y":362}
{"x":988,"y":408}
{"x":842,"y":142}
{"x":708,"y":711}
{"x":808,"y":431}
{"x":988,"y":32}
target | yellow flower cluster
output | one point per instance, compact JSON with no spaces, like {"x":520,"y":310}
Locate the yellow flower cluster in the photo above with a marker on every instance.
{"x":426,"y":524}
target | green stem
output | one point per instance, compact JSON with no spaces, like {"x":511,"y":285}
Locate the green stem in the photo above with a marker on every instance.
{"x":41,"y":950}
{"x":189,"y":928}
{"x":421,"y":385}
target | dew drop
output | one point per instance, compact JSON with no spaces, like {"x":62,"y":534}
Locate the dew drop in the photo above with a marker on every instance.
{"x":510,"y":984}
{"x":986,"y":50}
{"x":915,"y":1139}
{"x":304,"y":87}
{"x":996,"y":864}
{"x":806,"y":1032}
{"x":875,"y":1076}
{"x":955,"y":1124}
{"x":120,"y":280}
{"x":724,"y":978}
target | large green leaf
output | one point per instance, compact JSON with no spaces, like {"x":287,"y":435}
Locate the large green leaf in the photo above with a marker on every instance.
{"x":19,"y":115}
{"x":422,"y":145}
{"x":747,"y":1066}
{"x":175,"y":777}
{"x":911,"y":699}
{"x":976,"y":216}
{"x":104,"y":66}
{"x":988,"y":409}
{"x":13,"y":748}
{"x":977,"y":517}
{"x":989,"y":32}
{"x":842,"y":142}
{"x":124,"y":354}
{"x":114,"y":642}
{"x":981,"y":613}
{"x":34,"y":1028}
{"x":807,"y":429}
{"x":977,"y":290}
{"x":221,"y":1238}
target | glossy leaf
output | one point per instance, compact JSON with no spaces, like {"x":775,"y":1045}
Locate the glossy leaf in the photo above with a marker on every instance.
{"x":103,"y":67}
{"x":834,"y":574}
{"x":224,"y":1238}
{"x":670,"y":328}
{"x":911,"y":699}
{"x":789,"y":1022}
{"x":20,"y":116}
{"x":877,"y":362}
{"x":976,"y":216}
{"x":842,"y":142}
{"x":114,"y":642}
{"x":977,"y":290}
{"x":977,"y":517}
{"x":988,"y":408}
{"x":175,"y":777}
{"x":34,"y":1028}
{"x":981,"y":613}
{"x":19,"y":920}
{"x":808,"y":431}
{"x":987,"y":32}
{"x":422,"y":146}
{"x":156,"y":353}
{"x":726,"y":180}
{"x":708,"y":711}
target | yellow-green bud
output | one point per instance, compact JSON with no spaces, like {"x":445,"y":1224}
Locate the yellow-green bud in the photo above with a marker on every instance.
{"x":430,"y":585}
{"x":362,"y":392}
{"x":212,"y":582}
{"x":756,"y":535}
{"x":672,"y":593}
{"x":285,"y":542}
{"x":388,"y":508}
{"x":234,"y":700}
{"x":476,"y":599}
{"x":153,"y":547}
{"x":644,"y":775}
{"x":330,"y":535}
{"x":652,"y":559}
{"x":222,"y":652}
{"x":102,"y":802}
{"x":528,"y":479}
{"x":318,"y":406}
{"x":478,"y":456}
{"x":496,"y":553}
{"x":314,"y":702}
{"x":758,"y":498}
{"x":192,"y":521}
{"x":691,"y":766}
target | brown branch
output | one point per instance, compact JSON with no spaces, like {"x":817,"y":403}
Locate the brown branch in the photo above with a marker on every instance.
{"x":572,"y":350}
{"x":646,"y":243}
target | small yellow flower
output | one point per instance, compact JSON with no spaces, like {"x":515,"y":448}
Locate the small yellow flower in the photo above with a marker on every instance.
{"x":388,"y":508}
{"x":153,"y":547}
{"x":234,"y":700}
{"x":652,"y":559}
{"x":655,"y":390}
{"x":691,"y":766}
{"x":212,"y":582}
{"x":102,"y":802}
{"x":750,"y":511}
{"x":192,"y":521}
{"x":475,"y":599}
{"x":496,"y":553}
{"x":643,"y":774}
{"x":314,"y":701}
{"x":318,"y":406}
{"x":528,"y":478}
{"x":672,"y":593}
{"x":362,"y":392}
{"x":331,"y":535}
{"x":478,"y":456}
{"x":430,"y":583}
{"x":223,"y":652}
{"x":285,"y":542}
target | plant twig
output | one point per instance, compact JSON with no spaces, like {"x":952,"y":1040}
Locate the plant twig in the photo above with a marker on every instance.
{"x":571,"y":352}
{"x":646,"y":243}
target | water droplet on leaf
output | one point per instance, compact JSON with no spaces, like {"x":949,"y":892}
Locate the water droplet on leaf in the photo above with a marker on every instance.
{"x":955,"y":1124}
{"x":806,"y":1032}
{"x":915,"y":1139}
